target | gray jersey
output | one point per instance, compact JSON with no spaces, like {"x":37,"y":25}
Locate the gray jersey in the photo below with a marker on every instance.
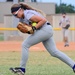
{"x":64,"y":21}
{"x":28,"y":14}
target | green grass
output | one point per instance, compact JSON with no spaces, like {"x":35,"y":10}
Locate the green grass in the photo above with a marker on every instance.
{"x":39,"y":63}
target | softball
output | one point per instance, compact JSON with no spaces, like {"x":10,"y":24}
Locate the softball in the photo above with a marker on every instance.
{"x":34,"y":24}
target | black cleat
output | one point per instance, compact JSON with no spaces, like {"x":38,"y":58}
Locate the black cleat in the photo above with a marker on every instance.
{"x":73,"y":68}
{"x":66,"y":45}
{"x":18,"y":70}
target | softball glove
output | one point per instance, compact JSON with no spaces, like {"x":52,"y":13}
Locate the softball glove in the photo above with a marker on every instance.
{"x":24,"y":28}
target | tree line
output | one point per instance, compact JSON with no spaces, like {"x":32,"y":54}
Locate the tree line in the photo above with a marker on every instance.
{"x":65,"y":8}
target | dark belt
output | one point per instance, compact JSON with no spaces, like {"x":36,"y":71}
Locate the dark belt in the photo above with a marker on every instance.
{"x":48,"y":23}
{"x":41,"y":27}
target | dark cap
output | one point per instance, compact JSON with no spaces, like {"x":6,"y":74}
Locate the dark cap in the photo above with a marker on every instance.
{"x":63,"y":12}
{"x":14,"y":9}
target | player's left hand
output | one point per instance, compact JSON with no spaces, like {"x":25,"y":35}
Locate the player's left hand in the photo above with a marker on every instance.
{"x":26,"y":28}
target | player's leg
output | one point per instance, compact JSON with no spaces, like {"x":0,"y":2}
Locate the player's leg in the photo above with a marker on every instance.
{"x":66,"y":37}
{"x":38,"y":36}
{"x":51,"y":48}
{"x":30,"y":41}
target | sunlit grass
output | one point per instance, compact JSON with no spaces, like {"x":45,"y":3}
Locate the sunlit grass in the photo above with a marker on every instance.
{"x":39,"y":63}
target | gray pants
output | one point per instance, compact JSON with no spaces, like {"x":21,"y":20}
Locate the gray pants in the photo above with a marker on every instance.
{"x":44,"y":35}
{"x":65,"y":34}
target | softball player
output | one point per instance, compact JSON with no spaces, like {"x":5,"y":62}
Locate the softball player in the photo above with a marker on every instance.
{"x":43,"y":33}
{"x":63,"y":23}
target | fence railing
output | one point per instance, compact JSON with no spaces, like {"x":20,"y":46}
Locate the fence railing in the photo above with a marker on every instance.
{"x":11,"y":29}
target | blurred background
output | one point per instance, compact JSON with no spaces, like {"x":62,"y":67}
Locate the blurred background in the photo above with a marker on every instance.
{"x":53,"y":10}
{"x":11,"y":39}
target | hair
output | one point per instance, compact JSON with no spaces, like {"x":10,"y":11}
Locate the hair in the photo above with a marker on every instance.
{"x":64,"y":13}
{"x":25,"y":6}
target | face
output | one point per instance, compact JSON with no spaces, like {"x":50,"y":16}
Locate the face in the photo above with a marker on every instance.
{"x":64,"y":15}
{"x":19,"y":13}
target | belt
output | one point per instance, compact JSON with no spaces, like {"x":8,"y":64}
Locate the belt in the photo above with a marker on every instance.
{"x":48,"y":23}
{"x":41,"y":26}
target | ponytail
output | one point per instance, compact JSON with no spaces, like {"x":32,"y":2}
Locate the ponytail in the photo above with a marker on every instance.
{"x":25,"y":6}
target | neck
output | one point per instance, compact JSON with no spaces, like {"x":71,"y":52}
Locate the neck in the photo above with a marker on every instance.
{"x":23,"y":16}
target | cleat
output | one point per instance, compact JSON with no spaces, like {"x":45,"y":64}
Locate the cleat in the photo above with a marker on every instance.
{"x":18,"y":70}
{"x":13,"y":70}
{"x":66,"y":45}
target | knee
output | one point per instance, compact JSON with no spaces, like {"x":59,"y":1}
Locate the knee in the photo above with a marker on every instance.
{"x":55,"y":53}
{"x":25,"y":45}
